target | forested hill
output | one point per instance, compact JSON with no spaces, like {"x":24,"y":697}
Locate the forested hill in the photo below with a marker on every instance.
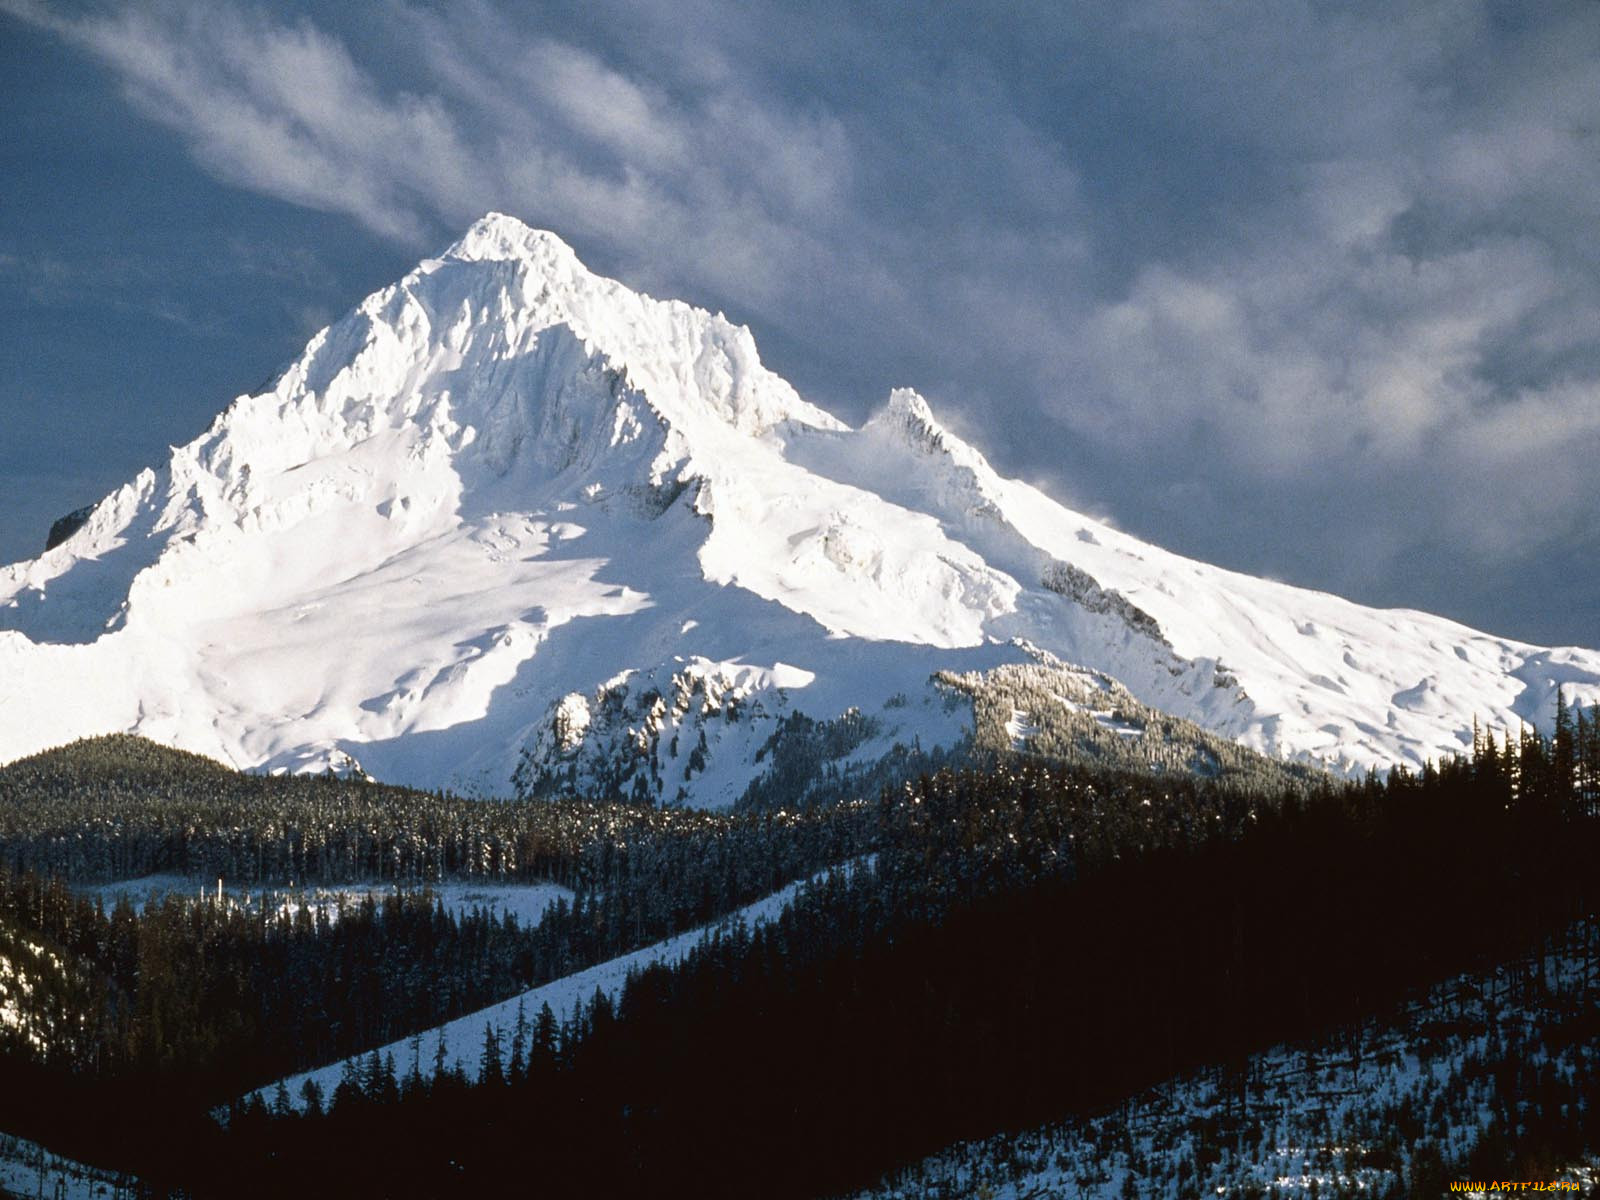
{"x":115,"y":762}
{"x":1053,"y":711}
{"x":121,"y":807}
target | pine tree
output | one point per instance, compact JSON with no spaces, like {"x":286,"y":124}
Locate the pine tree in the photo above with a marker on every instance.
{"x":348,"y":1090}
{"x":1563,"y":756}
{"x":545,"y":1049}
{"x":372,"y":1076}
{"x":1588,"y":739}
{"x":519,"y":1044}
{"x":1532,"y":769}
{"x":413,"y":1085}
{"x":439,"y":1060}
{"x":491,"y":1071}
{"x":388,"y":1085}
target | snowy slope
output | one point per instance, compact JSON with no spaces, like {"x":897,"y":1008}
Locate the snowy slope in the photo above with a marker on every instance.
{"x":463,"y":1038}
{"x":1320,"y":1120}
{"x":29,"y":1169}
{"x":507,"y":505}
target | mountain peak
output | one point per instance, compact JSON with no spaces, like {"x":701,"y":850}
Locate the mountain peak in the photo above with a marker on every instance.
{"x":907,"y":414}
{"x":506,"y":480}
{"x":691,"y":363}
{"x":496,"y":237}
{"x":908,"y":405}
{"x":909,"y":419}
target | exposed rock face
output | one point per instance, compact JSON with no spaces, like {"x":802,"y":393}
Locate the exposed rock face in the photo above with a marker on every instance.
{"x":64,"y":527}
{"x":1075,"y":583}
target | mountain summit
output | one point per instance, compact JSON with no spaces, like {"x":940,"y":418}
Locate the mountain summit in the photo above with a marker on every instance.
{"x":509,"y":519}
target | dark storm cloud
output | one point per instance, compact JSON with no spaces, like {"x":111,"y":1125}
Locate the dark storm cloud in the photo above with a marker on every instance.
{"x":1307,"y":289}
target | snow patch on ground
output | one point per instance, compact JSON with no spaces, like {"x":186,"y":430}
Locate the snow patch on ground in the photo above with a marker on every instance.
{"x":1020,"y":728}
{"x":463,"y":1037}
{"x":527,"y":902}
{"x":28,"y":1169}
{"x":1106,"y":718}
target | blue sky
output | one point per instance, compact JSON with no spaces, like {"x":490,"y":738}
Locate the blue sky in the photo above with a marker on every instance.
{"x":1307,"y":290}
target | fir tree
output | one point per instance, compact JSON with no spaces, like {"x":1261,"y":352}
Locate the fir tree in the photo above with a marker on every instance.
{"x":519,"y":1044}
{"x":491,"y":1070}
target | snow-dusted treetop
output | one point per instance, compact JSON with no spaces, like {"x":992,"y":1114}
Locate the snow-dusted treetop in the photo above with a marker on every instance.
{"x":508,"y":504}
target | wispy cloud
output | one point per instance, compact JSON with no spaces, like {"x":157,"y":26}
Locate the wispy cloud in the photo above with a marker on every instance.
{"x":480,"y":114}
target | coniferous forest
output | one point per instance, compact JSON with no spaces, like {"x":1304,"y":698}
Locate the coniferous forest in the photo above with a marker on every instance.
{"x":1006,"y":944}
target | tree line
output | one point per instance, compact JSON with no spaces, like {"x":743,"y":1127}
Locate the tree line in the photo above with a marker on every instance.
{"x":120,"y":807}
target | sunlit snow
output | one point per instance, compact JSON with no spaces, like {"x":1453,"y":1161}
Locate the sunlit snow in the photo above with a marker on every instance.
{"x":504,"y":482}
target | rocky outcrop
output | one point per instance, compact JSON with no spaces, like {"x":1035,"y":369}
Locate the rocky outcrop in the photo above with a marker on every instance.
{"x":64,"y":527}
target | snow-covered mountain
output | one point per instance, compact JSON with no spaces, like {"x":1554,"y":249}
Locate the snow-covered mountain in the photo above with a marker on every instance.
{"x":510,"y":518}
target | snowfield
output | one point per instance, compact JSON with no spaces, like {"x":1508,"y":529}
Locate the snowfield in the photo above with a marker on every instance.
{"x":508,"y":513}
